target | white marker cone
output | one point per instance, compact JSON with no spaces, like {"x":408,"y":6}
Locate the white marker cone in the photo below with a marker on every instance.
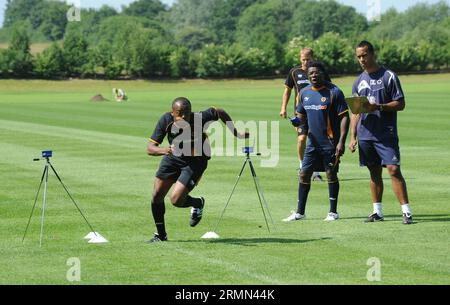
{"x":210,"y":235}
{"x":98,"y":239}
{"x":91,"y":235}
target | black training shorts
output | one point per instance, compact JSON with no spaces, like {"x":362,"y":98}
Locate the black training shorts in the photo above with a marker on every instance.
{"x":188,"y":171}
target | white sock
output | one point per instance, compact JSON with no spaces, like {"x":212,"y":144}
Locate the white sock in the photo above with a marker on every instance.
{"x":378,"y":208}
{"x":300,"y":164}
{"x":406,"y":209}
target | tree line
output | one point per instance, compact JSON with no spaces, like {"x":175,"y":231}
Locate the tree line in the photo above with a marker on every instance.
{"x":215,"y":38}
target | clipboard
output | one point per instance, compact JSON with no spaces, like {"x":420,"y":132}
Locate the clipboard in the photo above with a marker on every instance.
{"x":358,"y":104}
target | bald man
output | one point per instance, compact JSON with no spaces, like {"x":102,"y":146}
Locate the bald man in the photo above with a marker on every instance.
{"x":184,"y":161}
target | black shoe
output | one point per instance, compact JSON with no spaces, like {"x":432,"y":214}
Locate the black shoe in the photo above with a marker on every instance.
{"x":196,"y":214}
{"x":156,"y":238}
{"x":317,"y":177}
{"x":407,"y":219}
{"x":374,"y":217}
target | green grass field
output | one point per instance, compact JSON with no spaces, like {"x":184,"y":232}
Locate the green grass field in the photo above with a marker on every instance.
{"x":100,"y":152}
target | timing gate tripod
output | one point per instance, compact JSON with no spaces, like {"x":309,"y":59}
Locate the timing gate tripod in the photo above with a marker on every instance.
{"x":259,"y":191}
{"x":46,"y":155}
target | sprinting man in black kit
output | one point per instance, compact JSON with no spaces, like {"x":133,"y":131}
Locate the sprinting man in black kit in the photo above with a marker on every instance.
{"x":184,"y":160}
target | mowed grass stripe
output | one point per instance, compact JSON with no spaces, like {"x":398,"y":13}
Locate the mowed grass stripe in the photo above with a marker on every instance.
{"x":69,"y":134}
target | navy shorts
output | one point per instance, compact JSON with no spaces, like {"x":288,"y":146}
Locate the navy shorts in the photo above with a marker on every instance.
{"x":303,"y":129}
{"x":187,"y":172}
{"x":385,"y":152}
{"x":319,"y":160}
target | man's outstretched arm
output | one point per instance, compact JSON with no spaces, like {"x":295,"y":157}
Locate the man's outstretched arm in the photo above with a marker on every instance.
{"x":226,"y":119}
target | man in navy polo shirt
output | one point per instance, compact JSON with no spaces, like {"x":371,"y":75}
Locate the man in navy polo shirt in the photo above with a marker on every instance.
{"x":323,"y":105}
{"x":376,"y":131}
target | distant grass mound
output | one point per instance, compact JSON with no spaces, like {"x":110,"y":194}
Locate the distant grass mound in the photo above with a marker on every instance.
{"x":98,"y":98}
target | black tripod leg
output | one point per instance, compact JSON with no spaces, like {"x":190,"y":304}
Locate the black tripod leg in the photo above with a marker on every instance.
{"x":262,"y":193}
{"x":73,"y":200}
{"x":258,"y":192}
{"x":232,"y":192}
{"x":43,"y":206}
{"x":35,"y":200}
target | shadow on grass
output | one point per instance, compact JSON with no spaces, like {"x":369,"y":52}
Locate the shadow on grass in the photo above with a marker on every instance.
{"x":368,"y":179}
{"x":416,"y":218}
{"x":431,"y":217}
{"x":254,"y":241}
{"x":356,"y":179}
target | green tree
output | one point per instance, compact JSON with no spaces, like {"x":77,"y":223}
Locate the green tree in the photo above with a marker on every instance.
{"x":218,"y":17}
{"x":234,"y":61}
{"x":103,"y":12}
{"x":4,"y":64}
{"x":182,"y":63}
{"x":424,"y":50}
{"x":194,"y":38}
{"x":220,"y":38}
{"x":258,"y":63}
{"x":195,"y":13}
{"x":441,"y":56}
{"x":312,"y":19}
{"x":103,"y":59}
{"x":394,"y":25}
{"x":50,"y":63}
{"x":54,"y":19}
{"x":134,"y":43}
{"x":409,"y":56}
{"x":47,"y":17}
{"x":145,"y":8}
{"x":389,"y":56}
{"x":113,"y":70}
{"x":91,"y":22}
{"x":208,"y":61}
{"x":75,"y":48}
{"x":18,"y":57}
{"x":119,"y":28}
{"x":147,"y":58}
{"x":265,"y":26}
{"x":224,"y":18}
{"x":17,"y":10}
{"x":335,"y":52}
{"x":264,"y":20}
{"x":292,"y":51}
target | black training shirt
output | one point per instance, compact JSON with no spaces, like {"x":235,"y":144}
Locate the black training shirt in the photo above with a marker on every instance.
{"x":184,"y":134}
